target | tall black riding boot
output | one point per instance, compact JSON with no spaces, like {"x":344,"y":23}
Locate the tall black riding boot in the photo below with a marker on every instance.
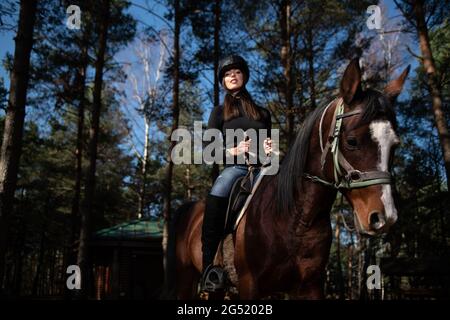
{"x":212,"y":232}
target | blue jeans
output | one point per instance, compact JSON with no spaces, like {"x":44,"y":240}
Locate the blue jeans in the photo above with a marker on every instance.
{"x":224,"y":182}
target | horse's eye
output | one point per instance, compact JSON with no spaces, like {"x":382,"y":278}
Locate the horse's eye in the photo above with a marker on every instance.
{"x":352,"y":142}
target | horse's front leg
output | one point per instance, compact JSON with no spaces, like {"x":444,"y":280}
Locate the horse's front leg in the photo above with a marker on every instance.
{"x":187,"y":280}
{"x":309,"y":291}
{"x":247,"y":287}
{"x":311,"y":273}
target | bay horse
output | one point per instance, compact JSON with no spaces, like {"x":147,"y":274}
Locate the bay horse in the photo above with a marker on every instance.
{"x":283,"y":241}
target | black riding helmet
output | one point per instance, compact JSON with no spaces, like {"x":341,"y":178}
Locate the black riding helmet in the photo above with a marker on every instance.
{"x":233,"y":62}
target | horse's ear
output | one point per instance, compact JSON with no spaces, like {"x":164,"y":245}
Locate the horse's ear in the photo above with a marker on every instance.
{"x":393,"y":88}
{"x":351,"y":81}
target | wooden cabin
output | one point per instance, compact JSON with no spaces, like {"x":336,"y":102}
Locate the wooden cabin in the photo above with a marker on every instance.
{"x":127,"y":260}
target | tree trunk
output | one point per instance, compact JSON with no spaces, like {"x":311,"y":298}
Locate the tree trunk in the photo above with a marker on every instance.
{"x":80,"y":83}
{"x":40,"y":262}
{"x":340,"y":276}
{"x":168,"y":178}
{"x":286,"y":61}
{"x":78,"y":152}
{"x":350,"y":270}
{"x":189,"y":187}
{"x":86,"y":215}
{"x":368,"y":246}
{"x":18,"y":268}
{"x":433,"y":86}
{"x":311,"y":73}
{"x":14,"y":121}
{"x":142,"y":190}
{"x":217,"y":25}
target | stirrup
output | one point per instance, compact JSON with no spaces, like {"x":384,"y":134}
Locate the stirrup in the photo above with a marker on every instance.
{"x":214,"y":279}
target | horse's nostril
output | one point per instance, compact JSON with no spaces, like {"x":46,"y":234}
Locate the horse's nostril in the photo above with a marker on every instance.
{"x":376,"y":220}
{"x":373,"y":218}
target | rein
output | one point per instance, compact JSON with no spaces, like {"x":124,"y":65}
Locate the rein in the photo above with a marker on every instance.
{"x":352,"y":178}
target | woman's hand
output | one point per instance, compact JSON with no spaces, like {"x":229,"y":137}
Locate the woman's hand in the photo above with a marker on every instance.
{"x":243,"y":146}
{"x":268,"y":146}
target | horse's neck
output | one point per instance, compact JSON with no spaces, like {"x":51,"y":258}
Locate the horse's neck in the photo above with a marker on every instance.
{"x":313,"y":201}
{"x":314,"y":197}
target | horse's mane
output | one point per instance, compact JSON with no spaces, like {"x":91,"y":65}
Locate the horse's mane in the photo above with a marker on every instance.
{"x":377,"y":106}
{"x":293,"y":165}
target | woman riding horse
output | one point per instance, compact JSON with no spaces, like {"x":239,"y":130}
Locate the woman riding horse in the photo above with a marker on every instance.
{"x":283,"y":241}
{"x":238,"y":112}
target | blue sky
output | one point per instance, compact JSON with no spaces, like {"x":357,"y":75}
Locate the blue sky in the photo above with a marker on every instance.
{"x":144,"y":18}
{"x":6,"y":45}
{"x":7,"y":42}
{"x":137,"y":9}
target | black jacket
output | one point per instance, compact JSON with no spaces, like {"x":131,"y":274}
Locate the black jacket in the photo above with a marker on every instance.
{"x":216,"y":121}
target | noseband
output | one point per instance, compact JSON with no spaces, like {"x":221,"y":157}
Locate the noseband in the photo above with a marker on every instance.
{"x":352,"y":178}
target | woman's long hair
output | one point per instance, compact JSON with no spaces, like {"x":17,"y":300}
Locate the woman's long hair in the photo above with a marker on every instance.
{"x":230,"y":106}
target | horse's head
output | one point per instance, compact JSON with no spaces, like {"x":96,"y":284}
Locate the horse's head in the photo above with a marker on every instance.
{"x":367,"y":141}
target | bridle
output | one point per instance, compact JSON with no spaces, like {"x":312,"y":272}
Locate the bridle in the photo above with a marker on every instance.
{"x":352,"y":178}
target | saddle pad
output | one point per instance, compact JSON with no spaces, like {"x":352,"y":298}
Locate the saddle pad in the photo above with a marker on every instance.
{"x":255,"y":186}
{"x":240,"y":197}
{"x":240,"y":190}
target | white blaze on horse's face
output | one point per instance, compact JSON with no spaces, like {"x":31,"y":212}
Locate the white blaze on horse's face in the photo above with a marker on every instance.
{"x":384,"y":135}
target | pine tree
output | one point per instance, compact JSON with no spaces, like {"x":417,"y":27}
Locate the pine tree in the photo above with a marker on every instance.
{"x":418,"y":14}
{"x":15,"y":115}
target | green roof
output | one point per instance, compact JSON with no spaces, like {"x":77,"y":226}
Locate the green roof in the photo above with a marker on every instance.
{"x":133,"y":229}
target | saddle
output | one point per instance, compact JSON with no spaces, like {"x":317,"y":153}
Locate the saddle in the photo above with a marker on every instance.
{"x":240,"y":191}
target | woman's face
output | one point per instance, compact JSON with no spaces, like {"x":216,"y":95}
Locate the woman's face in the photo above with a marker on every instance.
{"x":234,"y":79}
